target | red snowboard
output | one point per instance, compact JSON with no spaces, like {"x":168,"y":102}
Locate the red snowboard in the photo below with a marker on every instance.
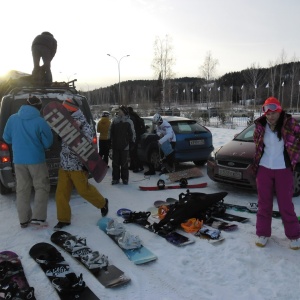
{"x":63,"y":124}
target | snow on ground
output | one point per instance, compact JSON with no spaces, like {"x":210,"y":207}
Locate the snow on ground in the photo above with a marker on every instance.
{"x":234,"y":269}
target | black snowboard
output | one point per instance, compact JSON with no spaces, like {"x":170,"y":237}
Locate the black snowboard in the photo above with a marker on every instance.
{"x":108,"y":275}
{"x":13,"y":282}
{"x":60,"y":274}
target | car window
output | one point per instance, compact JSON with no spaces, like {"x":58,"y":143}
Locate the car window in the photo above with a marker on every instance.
{"x":246,"y":135}
{"x":181,"y":127}
{"x":148,"y":125}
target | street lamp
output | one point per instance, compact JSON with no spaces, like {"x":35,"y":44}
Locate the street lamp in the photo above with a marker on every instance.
{"x":118,"y":62}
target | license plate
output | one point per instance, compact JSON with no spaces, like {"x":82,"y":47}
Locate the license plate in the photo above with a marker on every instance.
{"x":231,"y":174}
{"x":196,"y":142}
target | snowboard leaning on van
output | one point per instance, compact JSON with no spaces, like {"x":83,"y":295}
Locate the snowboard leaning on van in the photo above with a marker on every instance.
{"x":60,"y":120}
{"x":68,"y":285}
{"x":13,"y":282}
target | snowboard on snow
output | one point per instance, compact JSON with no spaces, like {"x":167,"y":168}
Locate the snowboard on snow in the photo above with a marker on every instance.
{"x":67,"y":284}
{"x":251,"y":208}
{"x":13,"y":282}
{"x":108,"y":275}
{"x":173,"y":237}
{"x":182,"y":174}
{"x":138,"y":256}
{"x":161,"y":186}
{"x":60,"y":120}
{"x":230,"y":217}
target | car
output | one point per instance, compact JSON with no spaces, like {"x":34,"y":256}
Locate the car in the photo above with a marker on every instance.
{"x":231,"y":163}
{"x":11,"y":103}
{"x":193,"y":142}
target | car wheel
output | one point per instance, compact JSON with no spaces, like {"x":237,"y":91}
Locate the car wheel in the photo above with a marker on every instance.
{"x":200,"y":162}
{"x":154,"y":159}
{"x":4,"y":190}
{"x":296,"y":183}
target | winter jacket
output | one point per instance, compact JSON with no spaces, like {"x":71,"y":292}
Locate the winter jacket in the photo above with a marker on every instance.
{"x":103,"y":128}
{"x":166,"y":130}
{"x":69,"y":161}
{"x":291,"y":137}
{"x":29,"y":135}
{"x":46,"y":39}
{"x":122,"y":133}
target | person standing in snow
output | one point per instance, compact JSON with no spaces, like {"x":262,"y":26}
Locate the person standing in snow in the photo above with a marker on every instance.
{"x":104,"y":141}
{"x":43,"y":46}
{"x":122,"y":135}
{"x":72,"y":173}
{"x":30,"y":135}
{"x":277,"y":143}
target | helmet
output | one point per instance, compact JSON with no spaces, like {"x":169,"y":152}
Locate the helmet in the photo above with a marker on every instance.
{"x":157,"y":119}
{"x":105,"y":114}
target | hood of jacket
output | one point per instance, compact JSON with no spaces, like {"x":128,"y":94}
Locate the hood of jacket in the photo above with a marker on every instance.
{"x":27,"y":112}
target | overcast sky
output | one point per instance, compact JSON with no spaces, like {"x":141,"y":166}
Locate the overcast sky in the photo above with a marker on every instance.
{"x":238,"y":33}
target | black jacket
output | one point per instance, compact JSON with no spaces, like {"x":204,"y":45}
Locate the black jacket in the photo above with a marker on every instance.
{"x":46,"y":39}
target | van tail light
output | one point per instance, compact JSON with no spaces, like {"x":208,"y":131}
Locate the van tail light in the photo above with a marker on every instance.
{"x":94,"y":141}
{"x":4,"y":153}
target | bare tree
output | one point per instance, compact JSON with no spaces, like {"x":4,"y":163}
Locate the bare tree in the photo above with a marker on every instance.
{"x":281,"y":62}
{"x":294,"y":72}
{"x":163,"y":61}
{"x":208,"y":71}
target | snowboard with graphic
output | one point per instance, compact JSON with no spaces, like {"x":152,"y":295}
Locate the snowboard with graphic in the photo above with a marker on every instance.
{"x":182,"y":174}
{"x":13,"y":282}
{"x":138,"y":256}
{"x":108,"y":275}
{"x":67,"y":284}
{"x":60,"y":120}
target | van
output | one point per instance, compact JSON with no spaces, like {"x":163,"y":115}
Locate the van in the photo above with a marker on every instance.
{"x":11,"y":103}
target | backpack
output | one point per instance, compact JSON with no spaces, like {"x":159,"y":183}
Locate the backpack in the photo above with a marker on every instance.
{"x":190,"y":205}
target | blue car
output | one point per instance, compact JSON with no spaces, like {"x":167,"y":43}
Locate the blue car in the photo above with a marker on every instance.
{"x":193,"y":142}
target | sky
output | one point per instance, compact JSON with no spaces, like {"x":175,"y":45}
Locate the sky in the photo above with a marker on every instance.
{"x":238,"y":33}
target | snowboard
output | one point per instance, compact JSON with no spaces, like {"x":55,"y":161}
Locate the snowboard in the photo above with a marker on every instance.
{"x":230,"y":217}
{"x":138,"y":256}
{"x":173,"y":237}
{"x":251,"y":208}
{"x":165,"y":187}
{"x":108,"y":275}
{"x":182,"y":174}
{"x":13,"y":282}
{"x":212,"y":222}
{"x":60,"y":120}
{"x":67,"y":284}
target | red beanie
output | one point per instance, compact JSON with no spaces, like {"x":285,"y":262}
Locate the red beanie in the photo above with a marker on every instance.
{"x":272,"y":100}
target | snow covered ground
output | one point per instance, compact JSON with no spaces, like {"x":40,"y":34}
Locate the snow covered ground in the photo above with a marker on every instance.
{"x":234,"y":269}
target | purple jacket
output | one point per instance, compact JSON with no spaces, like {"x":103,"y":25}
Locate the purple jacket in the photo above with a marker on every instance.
{"x":290,"y":134}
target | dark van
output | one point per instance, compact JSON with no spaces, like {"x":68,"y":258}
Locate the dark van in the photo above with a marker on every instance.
{"x":11,"y":103}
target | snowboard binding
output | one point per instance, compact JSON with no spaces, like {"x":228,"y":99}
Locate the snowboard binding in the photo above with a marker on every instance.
{"x":69,"y":284}
{"x":12,"y":291}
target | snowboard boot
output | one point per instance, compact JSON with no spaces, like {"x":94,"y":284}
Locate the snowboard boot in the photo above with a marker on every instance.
{"x":151,"y":170}
{"x":104,"y":209}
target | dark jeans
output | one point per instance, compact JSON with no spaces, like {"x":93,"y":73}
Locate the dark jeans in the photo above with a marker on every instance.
{"x":120,"y":165}
{"x":38,"y":52}
{"x":135,"y":163}
{"x":104,"y":149}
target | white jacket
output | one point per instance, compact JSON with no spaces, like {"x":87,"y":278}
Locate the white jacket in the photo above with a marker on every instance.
{"x":165,"y":131}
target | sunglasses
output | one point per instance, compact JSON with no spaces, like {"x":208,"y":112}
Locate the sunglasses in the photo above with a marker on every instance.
{"x":271,"y":107}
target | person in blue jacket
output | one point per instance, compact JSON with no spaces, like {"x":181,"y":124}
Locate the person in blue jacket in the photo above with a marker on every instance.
{"x":30,"y":135}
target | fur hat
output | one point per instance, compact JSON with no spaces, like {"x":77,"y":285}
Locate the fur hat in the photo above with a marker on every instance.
{"x":123,"y":109}
{"x":35,"y":102}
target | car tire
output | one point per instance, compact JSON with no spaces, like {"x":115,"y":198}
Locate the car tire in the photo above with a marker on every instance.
{"x":200,"y":162}
{"x":4,"y":190}
{"x":154,"y":159}
{"x":296,"y":183}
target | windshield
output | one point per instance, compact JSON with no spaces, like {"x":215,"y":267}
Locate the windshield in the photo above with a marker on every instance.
{"x":246,"y":135}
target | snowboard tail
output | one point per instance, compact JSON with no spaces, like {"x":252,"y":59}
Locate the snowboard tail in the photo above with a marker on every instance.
{"x":138,"y":256}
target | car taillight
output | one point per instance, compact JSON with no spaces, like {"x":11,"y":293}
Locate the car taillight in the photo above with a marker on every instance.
{"x":4,"y":153}
{"x":94,"y":140}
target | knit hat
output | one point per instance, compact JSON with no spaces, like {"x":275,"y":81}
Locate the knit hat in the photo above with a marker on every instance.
{"x":124,"y":109}
{"x":105,"y":113}
{"x":35,"y":102}
{"x":271,"y":104}
{"x":71,"y":105}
